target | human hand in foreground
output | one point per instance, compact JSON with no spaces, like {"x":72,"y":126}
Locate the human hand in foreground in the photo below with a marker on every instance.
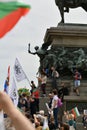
{"x":20,"y":122}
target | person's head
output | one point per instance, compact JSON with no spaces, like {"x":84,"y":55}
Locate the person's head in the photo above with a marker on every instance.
{"x":41,"y":112}
{"x":52,"y":119}
{"x":52,"y":68}
{"x":32,"y":82}
{"x":28,"y":97}
{"x":76,"y":71}
{"x":43,"y":73}
{"x":24,"y":95}
{"x":37,"y":124}
{"x":36,"y":48}
{"x":65,"y":127}
{"x":50,"y":95}
{"x":62,"y":84}
{"x":54,"y":92}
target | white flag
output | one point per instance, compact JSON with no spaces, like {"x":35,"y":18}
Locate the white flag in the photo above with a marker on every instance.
{"x":2,"y":123}
{"x":18,"y":71}
{"x":45,"y":124}
{"x":14,"y":93}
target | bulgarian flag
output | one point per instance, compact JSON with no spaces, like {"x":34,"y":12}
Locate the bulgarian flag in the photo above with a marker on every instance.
{"x":10,"y":12}
{"x":75,"y":112}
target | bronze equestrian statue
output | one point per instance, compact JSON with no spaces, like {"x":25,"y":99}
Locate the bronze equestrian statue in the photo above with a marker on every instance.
{"x":64,"y":6}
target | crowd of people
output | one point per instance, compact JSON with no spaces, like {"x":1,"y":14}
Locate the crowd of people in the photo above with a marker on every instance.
{"x":29,"y":104}
{"x":37,"y":119}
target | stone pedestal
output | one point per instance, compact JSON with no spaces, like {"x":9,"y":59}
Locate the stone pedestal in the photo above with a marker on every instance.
{"x":67,"y":35}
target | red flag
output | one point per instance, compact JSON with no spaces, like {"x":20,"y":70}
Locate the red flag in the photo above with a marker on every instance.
{"x":8,"y":75}
{"x":10,"y":13}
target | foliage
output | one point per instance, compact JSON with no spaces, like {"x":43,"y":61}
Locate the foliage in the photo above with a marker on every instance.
{"x":24,"y":91}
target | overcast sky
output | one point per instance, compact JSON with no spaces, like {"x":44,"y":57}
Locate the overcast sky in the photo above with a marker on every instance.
{"x":31,"y":29}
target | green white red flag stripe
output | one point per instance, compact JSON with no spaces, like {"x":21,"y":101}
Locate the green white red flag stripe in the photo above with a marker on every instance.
{"x":10,"y":13}
{"x":75,"y":112}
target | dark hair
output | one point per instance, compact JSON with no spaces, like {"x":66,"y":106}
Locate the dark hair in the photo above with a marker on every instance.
{"x":54,"y":91}
{"x":65,"y":126}
{"x":24,"y":94}
{"x":32,"y":81}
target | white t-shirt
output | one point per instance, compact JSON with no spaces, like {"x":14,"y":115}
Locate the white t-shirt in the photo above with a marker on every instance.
{"x":44,"y":80}
{"x":55,"y":98}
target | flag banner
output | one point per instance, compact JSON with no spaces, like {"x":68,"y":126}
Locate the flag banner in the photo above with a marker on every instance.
{"x":2,"y":123}
{"x":45,"y":124}
{"x":10,"y":13}
{"x":13,"y":93}
{"x":18,"y":71}
{"x":75,"y":111}
{"x":6,"y":84}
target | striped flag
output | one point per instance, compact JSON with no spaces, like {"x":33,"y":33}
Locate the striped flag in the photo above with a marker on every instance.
{"x":13,"y":93}
{"x":75,"y":111}
{"x":18,"y":71}
{"x":10,"y":13}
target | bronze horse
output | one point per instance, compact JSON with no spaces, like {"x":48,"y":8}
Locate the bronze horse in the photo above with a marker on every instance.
{"x":64,"y":6}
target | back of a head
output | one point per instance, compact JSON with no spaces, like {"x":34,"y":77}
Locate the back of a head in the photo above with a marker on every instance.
{"x":32,"y":81}
{"x":54,"y":91}
{"x":36,"y":48}
{"x":66,"y":127}
{"x":41,"y":112}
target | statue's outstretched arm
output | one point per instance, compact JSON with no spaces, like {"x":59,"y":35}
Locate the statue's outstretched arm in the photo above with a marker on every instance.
{"x":30,"y":51}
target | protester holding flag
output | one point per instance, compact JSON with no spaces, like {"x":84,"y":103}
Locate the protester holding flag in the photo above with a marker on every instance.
{"x":20,"y":122}
{"x":70,"y":119}
{"x":75,"y":112}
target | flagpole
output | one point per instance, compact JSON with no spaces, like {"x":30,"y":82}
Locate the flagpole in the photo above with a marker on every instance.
{"x":27,"y":79}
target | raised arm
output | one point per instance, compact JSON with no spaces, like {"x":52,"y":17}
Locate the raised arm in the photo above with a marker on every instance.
{"x":30,"y":51}
{"x":19,"y":120}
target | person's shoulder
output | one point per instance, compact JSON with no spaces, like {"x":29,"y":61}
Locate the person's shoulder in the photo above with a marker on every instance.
{"x":55,"y":97}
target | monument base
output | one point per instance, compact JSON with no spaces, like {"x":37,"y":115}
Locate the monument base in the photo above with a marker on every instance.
{"x":70,"y":35}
